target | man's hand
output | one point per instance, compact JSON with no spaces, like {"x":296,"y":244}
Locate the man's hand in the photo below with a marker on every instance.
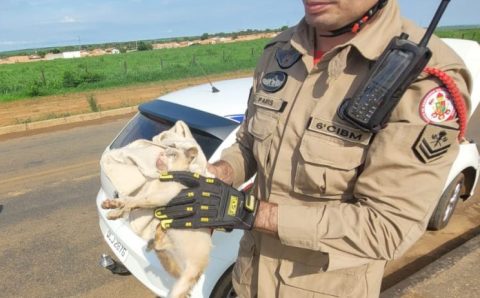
{"x":221,"y":170}
{"x":207,"y":203}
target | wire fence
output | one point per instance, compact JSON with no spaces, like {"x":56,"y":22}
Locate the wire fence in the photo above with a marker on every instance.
{"x":22,"y":80}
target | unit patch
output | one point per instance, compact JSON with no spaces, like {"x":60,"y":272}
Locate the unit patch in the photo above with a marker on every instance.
{"x":338,"y":130}
{"x":269,"y":102}
{"x":434,"y":142}
{"x":437,"y":106}
{"x":287,"y":58}
{"x":274,"y":81}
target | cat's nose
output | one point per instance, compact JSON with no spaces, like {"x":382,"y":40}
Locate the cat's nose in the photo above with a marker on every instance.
{"x":161,"y":165}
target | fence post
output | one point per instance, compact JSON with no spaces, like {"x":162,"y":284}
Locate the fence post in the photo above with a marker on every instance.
{"x":223,"y":56}
{"x":193,"y":59}
{"x":252,"y":52}
{"x":161,"y":63}
{"x":125,"y":67}
{"x":43,"y":77}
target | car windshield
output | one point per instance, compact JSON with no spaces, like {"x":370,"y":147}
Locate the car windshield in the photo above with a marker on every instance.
{"x":142,"y":127}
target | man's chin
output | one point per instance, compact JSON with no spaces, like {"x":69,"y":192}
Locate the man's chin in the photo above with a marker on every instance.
{"x":321,"y":24}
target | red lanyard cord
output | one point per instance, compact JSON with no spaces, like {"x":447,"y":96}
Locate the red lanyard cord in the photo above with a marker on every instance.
{"x":458,"y":100}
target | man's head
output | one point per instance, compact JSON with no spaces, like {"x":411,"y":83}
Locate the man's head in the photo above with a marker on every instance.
{"x":329,"y":15}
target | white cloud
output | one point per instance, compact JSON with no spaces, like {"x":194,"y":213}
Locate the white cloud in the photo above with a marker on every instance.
{"x":68,"y":19}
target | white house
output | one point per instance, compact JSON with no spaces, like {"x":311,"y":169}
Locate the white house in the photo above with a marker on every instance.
{"x":73,"y":54}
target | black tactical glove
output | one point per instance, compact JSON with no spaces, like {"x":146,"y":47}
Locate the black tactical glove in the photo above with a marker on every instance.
{"x":207,"y":203}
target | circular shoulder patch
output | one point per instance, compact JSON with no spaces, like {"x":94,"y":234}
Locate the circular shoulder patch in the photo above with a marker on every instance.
{"x":274,"y":81}
{"x":437,"y":106}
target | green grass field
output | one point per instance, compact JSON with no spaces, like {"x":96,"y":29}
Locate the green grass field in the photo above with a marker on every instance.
{"x":462,"y":33}
{"x":25,"y":80}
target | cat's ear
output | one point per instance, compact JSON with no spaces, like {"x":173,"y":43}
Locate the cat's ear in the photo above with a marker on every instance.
{"x":191,"y":153}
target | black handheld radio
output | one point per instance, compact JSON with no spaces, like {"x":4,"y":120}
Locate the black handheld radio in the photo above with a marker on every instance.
{"x":399,"y":65}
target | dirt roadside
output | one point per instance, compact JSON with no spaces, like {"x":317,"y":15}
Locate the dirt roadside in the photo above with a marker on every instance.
{"x":59,"y":106}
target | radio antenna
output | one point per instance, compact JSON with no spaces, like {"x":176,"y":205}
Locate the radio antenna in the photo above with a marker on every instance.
{"x":214,"y":89}
{"x":433,"y":24}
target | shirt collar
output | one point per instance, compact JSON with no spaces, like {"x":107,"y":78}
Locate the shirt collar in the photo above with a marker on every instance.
{"x":370,"y":42}
{"x":303,"y":39}
{"x":375,"y":37}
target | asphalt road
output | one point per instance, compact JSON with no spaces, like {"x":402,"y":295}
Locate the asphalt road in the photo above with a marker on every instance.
{"x":50,"y":241}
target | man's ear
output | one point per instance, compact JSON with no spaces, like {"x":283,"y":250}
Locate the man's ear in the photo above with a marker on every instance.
{"x":191,"y":153}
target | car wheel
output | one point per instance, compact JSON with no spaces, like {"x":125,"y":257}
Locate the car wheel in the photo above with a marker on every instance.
{"x":446,"y":205}
{"x":224,"y":286}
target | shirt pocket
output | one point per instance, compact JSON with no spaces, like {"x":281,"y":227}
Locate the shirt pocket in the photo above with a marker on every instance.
{"x":261,"y":127}
{"x":327,"y":167}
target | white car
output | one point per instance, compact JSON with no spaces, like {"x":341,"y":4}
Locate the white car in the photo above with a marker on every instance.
{"x":214,"y":118}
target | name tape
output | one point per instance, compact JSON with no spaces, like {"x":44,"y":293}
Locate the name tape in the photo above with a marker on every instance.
{"x":268,"y":102}
{"x":339,"y":131}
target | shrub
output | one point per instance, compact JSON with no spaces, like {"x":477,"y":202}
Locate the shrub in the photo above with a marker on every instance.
{"x":92,"y":102}
{"x":34,"y":89}
{"x":90,"y":77}
{"x":70,"y":80}
{"x":143,"y":46}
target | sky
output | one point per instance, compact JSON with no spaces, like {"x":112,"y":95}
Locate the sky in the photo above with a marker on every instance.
{"x":45,"y":23}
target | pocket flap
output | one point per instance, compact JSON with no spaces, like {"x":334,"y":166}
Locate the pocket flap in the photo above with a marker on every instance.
{"x":312,"y":278}
{"x":262,"y":124}
{"x":318,"y":149}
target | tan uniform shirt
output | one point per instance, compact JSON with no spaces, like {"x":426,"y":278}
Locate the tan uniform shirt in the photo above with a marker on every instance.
{"x":348,"y":200}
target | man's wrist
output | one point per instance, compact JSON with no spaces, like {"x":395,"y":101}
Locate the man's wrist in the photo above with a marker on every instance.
{"x":267,"y":218}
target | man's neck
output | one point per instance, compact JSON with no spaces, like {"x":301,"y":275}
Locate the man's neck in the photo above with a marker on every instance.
{"x":325,"y":44}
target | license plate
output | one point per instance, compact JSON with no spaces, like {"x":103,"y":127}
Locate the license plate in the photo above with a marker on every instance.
{"x":117,"y":246}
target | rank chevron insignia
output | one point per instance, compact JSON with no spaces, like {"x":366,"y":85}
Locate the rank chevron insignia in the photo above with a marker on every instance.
{"x":434,"y":142}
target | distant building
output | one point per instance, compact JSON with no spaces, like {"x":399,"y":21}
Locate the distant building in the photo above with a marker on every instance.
{"x":64,"y":55}
{"x":51,"y":56}
{"x":167,"y":45}
{"x":97,"y":52}
{"x":112,"y":51}
{"x":73,"y":54}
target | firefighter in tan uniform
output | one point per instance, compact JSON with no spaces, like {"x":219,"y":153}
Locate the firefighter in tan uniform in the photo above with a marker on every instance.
{"x":334,"y":203}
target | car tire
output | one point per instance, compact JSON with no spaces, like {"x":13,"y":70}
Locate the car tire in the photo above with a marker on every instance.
{"x":224,"y":286}
{"x":446,"y":205}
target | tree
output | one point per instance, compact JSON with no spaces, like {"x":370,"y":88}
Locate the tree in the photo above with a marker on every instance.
{"x":204,"y":36}
{"x":144,"y":46}
{"x":284,"y":28}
